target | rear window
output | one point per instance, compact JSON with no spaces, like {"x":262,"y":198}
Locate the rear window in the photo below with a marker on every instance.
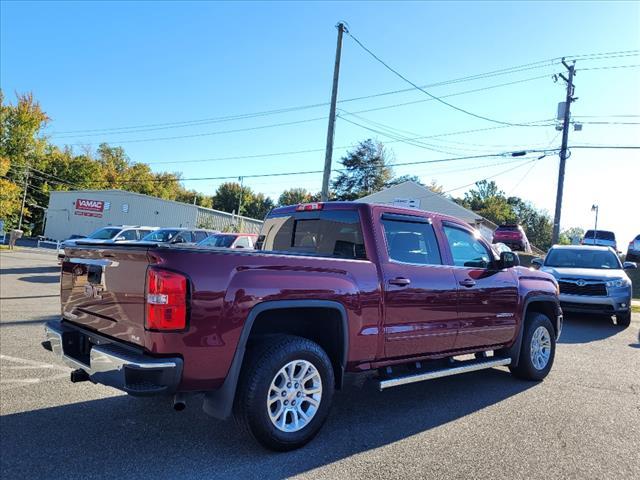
{"x":326,"y":233}
{"x":600,"y":235}
{"x":509,"y":228}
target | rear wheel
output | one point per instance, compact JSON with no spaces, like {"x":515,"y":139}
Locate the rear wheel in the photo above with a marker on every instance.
{"x":538,"y":348}
{"x":623,"y":319}
{"x":285,"y":392}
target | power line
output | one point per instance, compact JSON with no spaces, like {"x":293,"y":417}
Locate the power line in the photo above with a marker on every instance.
{"x":203,"y":121}
{"x":492,"y":176}
{"x":490,"y":87}
{"x":610,"y":67}
{"x":467,"y":112}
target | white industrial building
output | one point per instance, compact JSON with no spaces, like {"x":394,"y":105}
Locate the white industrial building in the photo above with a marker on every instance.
{"x":413,"y":195}
{"x":80,"y":212}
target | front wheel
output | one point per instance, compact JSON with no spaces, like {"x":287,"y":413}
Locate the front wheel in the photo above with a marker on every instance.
{"x":285,"y":392}
{"x":623,"y":319}
{"x":538,"y":348}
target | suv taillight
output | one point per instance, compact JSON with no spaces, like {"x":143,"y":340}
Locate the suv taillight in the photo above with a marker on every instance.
{"x":166,"y":300}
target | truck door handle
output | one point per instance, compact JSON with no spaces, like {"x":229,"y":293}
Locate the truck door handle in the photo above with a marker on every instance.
{"x":467,"y":282}
{"x":400,"y":281}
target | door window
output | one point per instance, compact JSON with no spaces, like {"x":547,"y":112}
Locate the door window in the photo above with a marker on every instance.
{"x":466,"y":249}
{"x":199,"y":235}
{"x":242,"y":242}
{"x":128,"y":235}
{"x":142,"y":233}
{"x":183,"y":237}
{"x":411,"y":242}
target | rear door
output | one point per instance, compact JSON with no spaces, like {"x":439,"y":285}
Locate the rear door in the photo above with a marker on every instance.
{"x":487,"y":298}
{"x":420,"y":308}
{"x":102,"y":289}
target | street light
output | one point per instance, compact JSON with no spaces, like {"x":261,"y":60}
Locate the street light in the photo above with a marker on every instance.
{"x":594,"y":208}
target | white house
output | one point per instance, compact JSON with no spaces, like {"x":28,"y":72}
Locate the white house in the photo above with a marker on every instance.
{"x":413,"y":195}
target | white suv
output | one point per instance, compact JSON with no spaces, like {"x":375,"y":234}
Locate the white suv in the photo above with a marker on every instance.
{"x":602,"y":238}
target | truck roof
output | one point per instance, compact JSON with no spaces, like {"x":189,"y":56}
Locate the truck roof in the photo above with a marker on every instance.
{"x":367,"y":206}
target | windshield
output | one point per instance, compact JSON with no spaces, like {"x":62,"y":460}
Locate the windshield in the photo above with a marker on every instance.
{"x":160,"y":236}
{"x":104,"y":233}
{"x":220,"y":241}
{"x":600,"y":235}
{"x":582,"y":258}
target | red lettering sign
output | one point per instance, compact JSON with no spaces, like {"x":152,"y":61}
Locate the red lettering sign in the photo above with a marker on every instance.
{"x":89,"y":205}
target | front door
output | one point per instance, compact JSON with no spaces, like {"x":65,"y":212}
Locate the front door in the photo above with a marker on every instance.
{"x":419,"y":291}
{"x":487,"y":297}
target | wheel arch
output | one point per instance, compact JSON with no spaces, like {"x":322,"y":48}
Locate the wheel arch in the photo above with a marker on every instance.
{"x":273,"y":317}
{"x":548,"y":305}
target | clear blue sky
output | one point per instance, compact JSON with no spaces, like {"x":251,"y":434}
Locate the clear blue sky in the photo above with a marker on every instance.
{"x":114,"y":64}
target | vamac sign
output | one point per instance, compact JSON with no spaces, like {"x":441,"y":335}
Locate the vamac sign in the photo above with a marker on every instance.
{"x":89,"y":208}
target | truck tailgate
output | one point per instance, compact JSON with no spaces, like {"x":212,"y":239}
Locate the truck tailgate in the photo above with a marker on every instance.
{"x":103,"y":290}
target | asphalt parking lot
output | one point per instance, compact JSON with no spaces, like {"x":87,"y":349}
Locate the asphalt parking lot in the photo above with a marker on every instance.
{"x":583,"y":421}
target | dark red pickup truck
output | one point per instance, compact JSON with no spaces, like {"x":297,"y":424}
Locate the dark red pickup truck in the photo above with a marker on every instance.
{"x":269,"y":334}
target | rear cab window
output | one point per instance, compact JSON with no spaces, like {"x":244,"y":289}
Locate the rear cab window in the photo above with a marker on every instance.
{"x":326,"y":233}
{"x":410,"y":239}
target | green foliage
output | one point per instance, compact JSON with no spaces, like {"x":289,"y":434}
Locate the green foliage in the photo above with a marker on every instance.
{"x":10,"y":200}
{"x":25,"y":152}
{"x":295,"y":196}
{"x":490,"y":202}
{"x":568,"y":236}
{"x":227,"y":199}
{"x":366,"y":172}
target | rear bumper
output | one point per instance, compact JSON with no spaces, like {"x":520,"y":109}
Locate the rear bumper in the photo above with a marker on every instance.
{"x":112,"y":363}
{"x":586,"y":304}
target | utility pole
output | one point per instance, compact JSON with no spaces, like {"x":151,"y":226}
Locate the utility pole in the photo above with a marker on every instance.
{"x":24,"y":198}
{"x":241,"y":180}
{"x":563,"y":150}
{"x":324,"y":196}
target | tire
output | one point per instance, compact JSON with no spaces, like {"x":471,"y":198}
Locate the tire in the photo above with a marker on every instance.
{"x":623,"y":319}
{"x":268,"y":367}
{"x":533,"y":363}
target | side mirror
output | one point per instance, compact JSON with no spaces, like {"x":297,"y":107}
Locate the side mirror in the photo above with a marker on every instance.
{"x":630,"y":265}
{"x":537,"y":263}
{"x":239,"y":246}
{"x":119,"y":238}
{"x":178,"y":240}
{"x":509,"y":259}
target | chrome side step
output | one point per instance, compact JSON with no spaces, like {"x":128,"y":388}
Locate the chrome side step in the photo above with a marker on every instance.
{"x":458,"y":367}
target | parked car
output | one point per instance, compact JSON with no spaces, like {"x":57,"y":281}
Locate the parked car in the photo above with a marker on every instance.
{"x":591,"y":280}
{"x":512,"y":235}
{"x":602,"y":238}
{"x":178,"y":235}
{"x":230,"y":240}
{"x":269,"y":334}
{"x":111,"y":234}
{"x":633,"y":251}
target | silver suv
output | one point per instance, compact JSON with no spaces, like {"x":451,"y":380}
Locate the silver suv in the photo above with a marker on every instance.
{"x":111,"y":234}
{"x":591,"y":280}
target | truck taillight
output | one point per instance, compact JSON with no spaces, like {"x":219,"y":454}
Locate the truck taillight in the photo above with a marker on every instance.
{"x":305,"y":207}
{"x":166,"y":300}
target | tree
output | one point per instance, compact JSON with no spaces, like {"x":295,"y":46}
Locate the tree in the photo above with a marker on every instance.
{"x":536,"y":223}
{"x":10,"y":201}
{"x":294,"y":196}
{"x":366,"y":171}
{"x":435,"y":187}
{"x":402,"y":179}
{"x":258,"y":206}
{"x":227,"y":197}
{"x":571,"y":235}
